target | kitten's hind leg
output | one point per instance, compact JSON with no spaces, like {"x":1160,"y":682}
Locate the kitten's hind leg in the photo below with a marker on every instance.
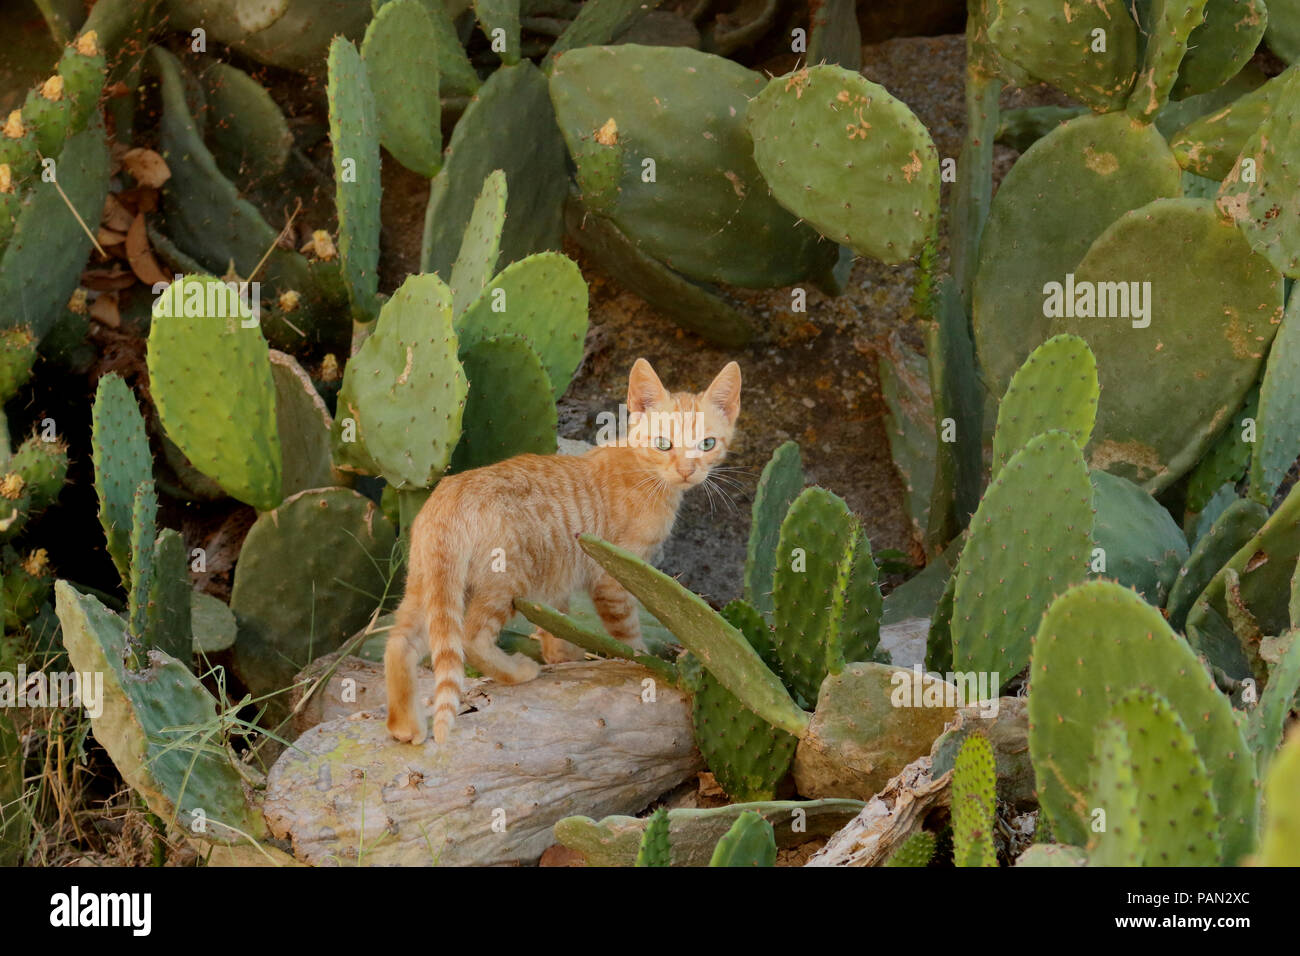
{"x":617,"y":612}
{"x":555,"y":650}
{"x":486,"y":615}
{"x":406,"y":645}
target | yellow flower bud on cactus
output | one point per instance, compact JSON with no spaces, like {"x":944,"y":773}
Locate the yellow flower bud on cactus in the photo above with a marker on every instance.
{"x":52,"y":89}
{"x":88,"y":43}
{"x":11,"y":486}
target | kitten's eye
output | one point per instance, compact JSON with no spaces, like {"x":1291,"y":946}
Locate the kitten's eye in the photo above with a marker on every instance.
{"x":707,"y":444}
{"x":663,"y":444}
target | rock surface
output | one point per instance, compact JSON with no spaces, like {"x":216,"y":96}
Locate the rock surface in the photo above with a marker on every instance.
{"x":583,"y":738}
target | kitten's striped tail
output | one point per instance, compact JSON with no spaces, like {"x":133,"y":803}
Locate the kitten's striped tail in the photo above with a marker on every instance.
{"x":444,"y":599}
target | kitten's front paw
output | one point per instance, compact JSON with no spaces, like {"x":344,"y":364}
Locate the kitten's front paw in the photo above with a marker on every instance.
{"x":406,"y":728}
{"x":522,"y":670}
{"x":556,"y":651}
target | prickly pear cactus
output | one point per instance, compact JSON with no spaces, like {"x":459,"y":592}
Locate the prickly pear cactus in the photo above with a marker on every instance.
{"x":888,"y":205}
{"x":1277,"y":442}
{"x":974,"y":802}
{"x":1097,"y":642}
{"x":655,"y":849}
{"x":1210,"y":144}
{"x":158,"y":725}
{"x":1140,"y":545}
{"x":1238,"y":523}
{"x":749,"y":842}
{"x":778,"y":486}
{"x":122,"y":460}
{"x":1220,"y":46}
{"x":1280,"y":844}
{"x":510,"y":409}
{"x":400,"y":54}
{"x":403,"y":394}
{"x":480,"y":247}
{"x":211,"y":382}
{"x":916,"y":850}
{"x":1056,"y":389}
{"x":1029,"y":541}
{"x":32,"y":480}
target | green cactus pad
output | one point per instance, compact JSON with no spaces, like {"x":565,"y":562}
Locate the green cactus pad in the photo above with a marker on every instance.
{"x":598,"y":22}
{"x":916,"y":850}
{"x":1264,"y":203}
{"x":404,"y":390}
{"x":1056,"y":389}
{"x":120,"y":450}
{"x":1283,"y":33}
{"x":750,"y":842}
{"x":167,"y":625}
{"x":1280,"y":843}
{"x":153,"y":724}
{"x":354,"y":136}
{"x":718,"y":645}
{"x":826,"y":600}
{"x":309,"y":576}
{"x":41,"y":264}
{"x":974,"y":801}
{"x":1166,"y":392}
{"x":1053,"y":41}
{"x":1277,"y":443}
{"x":509,"y":410}
{"x":1060,"y":196}
{"x":707,"y":212}
{"x":1269,"y":717}
{"x":543,"y":299}
{"x":33,"y":478}
{"x":1228,"y":458}
{"x":938,"y":642}
{"x":1167,"y":25}
{"x":480,"y":247}
{"x":212,"y":624}
{"x":303,"y":423}
{"x":246,"y":130}
{"x":401,"y":56}
{"x":1209,"y":145}
{"x":212,"y":385}
{"x":905,"y":387}
{"x":842,"y":154}
{"x":532,"y":156}
{"x":144,"y":527}
{"x":591,"y":638}
{"x":1143,"y":545}
{"x":778,"y":486}
{"x":1029,"y":541}
{"x":1169,"y":795}
{"x":1220,"y":46}
{"x":456,"y":76}
{"x":655,"y":849}
{"x":691,"y":305}
{"x":1096,"y":643}
{"x":1238,"y":523}
{"x":746,"y":754}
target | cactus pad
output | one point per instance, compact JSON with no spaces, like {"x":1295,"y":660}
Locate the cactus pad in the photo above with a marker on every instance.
{"x":1143,"y":546}
{"x":974,"y":801}
{"x":1277,"y":444}
{"x":120,"y":449}
{"x":749,"y":842}
{"x":510,"y":410}
{"x":480,"y":247}
{"x":1056,"y":389}
{"x":400,"y":51}
{"x":778,"y":486}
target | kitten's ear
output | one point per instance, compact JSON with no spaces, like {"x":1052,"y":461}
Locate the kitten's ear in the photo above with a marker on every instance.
{"x":724,"y":392}
{"x":644,"y":390}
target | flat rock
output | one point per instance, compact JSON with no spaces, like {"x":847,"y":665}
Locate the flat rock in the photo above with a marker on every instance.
{"x":591,"y":737}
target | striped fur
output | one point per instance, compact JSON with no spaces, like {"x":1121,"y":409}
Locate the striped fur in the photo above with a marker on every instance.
{"x":509,"y":530}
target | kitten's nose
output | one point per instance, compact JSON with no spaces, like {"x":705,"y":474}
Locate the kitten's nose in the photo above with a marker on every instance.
{"x":686,"y":468}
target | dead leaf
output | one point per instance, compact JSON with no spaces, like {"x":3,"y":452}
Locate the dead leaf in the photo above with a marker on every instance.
{"x":116,"y":216}
{"x":108,"y":280}
{"x":109,"y":237}
{"x":146,"y":167}
{"x":140,"y":256}
{"x":104,"y":310}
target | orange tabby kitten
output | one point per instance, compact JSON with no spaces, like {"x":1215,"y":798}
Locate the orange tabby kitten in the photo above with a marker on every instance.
{"x":509,"y":530}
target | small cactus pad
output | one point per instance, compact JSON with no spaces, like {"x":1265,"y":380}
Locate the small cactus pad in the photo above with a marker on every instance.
{"x":1055,"y":42}
{"x":509,"y":410}
{"x":1172,"y":378}
{"x":151,"y":727}
{"x":247,"y":132}
{"x":1228,"y":458}
{"x":974,"y":801}
{"x":749,"y":842}
{"x":1154,"y":788}
{"x":400,"y":51}
{"x":842,"y":154}
{"x":916,"y":850}
{"x":212,"y":385}
{"x":144,"y":528}
{"x":1097,"y":642}
{"x":778,"y":486}
{"x":120,"y":450}
{"x":404,"y":390}
{"x":1029,"y":541}
{"x":1229,"y":532}
{"x":1056,"y":389}
{"x":309,"y":576}
{"x":1059,"y":197}
{"x":1220,"y":46}
{"x":543,"y":299}
{"x":499,"y":21}
{"x":1141,"y":545}
{"x":706,"y":634}
{"x":480,"y":247}
{"x":655,"y":849}
{"x":354,"y":135}
{"x":1269,"y":717}
{"x":1167,"y":25}
{"x":303,"y":422}
{"x":167,"y":624}
{"x":688,"y":191}
{"x":1210,"y":144}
